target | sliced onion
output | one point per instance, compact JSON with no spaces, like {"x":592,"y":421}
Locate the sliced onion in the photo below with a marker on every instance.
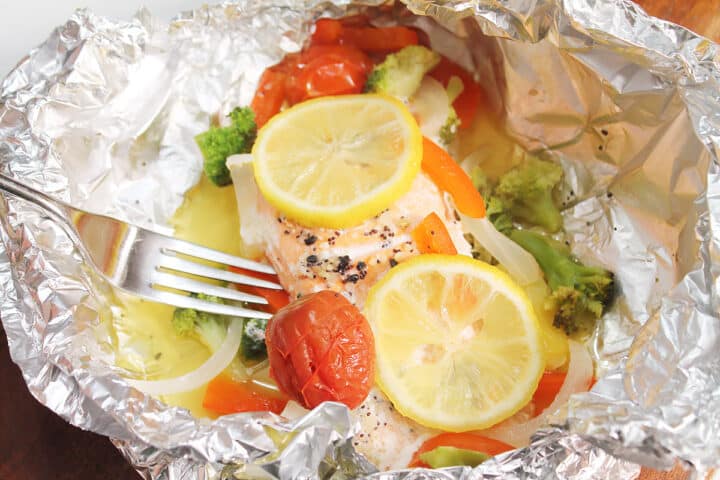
{"x":201,"y":375}
{"x":519,"y":263}
{"x":580,"y":372}
{"x":431,"y":107}
{"x":252,"y":225}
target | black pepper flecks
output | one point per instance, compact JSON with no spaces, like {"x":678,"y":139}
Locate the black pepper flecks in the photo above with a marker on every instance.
{"x":343,"y":264}
{"x":310,"y":239}
{"x":312,"y":260}
{"x":362,"y":269}
{"x":354,"y":278}
{"x":393,"y":262}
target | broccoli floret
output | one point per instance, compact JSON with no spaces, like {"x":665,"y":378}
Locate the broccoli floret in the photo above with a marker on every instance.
{"x":448,"y":131}
{"x":208,"y":328}
{"x":496,"y":212}
{"x":401,"y":73}
{"x":481,"y":182}
{"x":527,"y":192}
{"x":495,"y":208}
{"x":580,"y":293}
{"x":218,"y":143}
{"x":253,"y":339}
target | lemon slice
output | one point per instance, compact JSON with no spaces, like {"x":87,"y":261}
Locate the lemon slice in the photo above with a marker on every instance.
{"x":458,"y":344}
{"x":337,"y":161}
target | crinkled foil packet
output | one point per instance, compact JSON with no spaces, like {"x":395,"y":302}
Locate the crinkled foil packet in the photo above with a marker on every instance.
{"x":103,"y":115}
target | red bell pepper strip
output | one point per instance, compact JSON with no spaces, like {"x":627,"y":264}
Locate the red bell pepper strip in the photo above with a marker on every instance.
{"x":467,"y":103}
{"x":276,"y":298}
{"x":327,"y":31}
{"x":547,"y":390}
{"x":379,"y":40}
{"x":466,"y":441}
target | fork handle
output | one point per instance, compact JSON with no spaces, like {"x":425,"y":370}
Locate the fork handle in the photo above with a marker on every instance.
{"x":54,"y":207}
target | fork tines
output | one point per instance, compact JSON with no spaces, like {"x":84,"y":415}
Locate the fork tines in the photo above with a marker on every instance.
{"x":170,"y":263}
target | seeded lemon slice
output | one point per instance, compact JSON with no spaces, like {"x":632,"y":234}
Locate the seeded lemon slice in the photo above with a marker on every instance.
{"x":457,"y":342}
{"x":337,"y":161}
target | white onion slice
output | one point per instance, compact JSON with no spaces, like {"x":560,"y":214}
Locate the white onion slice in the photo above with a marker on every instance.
{"x":201,"y":375}
{"x":519,"y":263}
{"x":252,"y":224}
{"x":580,"y":372}
{"x":431,"y":107}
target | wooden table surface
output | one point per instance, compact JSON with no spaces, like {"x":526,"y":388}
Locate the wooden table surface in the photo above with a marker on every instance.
{"x":35,"y":444}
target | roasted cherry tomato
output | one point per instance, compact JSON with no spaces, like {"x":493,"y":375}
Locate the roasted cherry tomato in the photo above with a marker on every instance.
{"x":466,"y":441}
{"x":321,"y":348}
{"x":269,"y":96}
{"x":328,"y":70}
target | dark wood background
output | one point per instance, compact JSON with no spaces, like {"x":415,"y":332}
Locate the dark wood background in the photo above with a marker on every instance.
{"x":36,"y":444}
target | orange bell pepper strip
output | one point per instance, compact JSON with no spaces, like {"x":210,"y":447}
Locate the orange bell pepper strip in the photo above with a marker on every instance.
{"x":379,"y":40}
{"x":466,"y":441}
{"x":276,"y":298}
{"x":449,"y":177}
{"x":269,"y":96}
{"x":225,"y":396}
{"x":467,"y":103}
{"x":431,"y":236}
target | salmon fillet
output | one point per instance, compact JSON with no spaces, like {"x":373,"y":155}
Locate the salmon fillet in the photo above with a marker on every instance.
{"x":350,"y":261}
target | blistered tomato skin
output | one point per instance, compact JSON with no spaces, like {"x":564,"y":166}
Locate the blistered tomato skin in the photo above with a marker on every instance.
{"x":321,"y":348}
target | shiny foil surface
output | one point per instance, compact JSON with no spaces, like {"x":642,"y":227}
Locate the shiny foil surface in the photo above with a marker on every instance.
{"x":103,"y":115}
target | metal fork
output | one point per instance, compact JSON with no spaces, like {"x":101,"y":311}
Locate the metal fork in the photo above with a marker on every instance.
{"x":147,"y":263}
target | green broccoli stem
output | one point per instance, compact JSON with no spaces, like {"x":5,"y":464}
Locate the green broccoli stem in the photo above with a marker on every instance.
{"x":554,"y":260}
{"x":579,"y":292}
{"x":539,"y":210}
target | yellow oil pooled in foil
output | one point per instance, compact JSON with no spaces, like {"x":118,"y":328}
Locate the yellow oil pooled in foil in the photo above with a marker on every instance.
{"x":209,"y":217}
{"x":144,"y":339}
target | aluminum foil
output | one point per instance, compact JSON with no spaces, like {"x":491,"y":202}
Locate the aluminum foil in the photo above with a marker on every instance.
{"x":103,"y":113}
